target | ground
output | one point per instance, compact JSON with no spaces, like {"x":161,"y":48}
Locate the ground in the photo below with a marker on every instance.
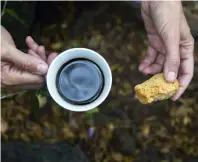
{"x":120,"y":129}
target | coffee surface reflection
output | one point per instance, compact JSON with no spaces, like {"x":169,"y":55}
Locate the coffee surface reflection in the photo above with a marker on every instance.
{"x":80,"y":81}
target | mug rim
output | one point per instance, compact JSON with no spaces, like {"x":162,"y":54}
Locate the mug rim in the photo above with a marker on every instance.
{"x":66,"y":56}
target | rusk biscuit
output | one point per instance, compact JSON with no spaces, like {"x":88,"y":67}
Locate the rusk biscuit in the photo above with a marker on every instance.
{"x":155,"y":89}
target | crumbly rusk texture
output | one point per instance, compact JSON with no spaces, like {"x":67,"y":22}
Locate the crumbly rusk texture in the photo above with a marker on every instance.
{"x":155,"y":89}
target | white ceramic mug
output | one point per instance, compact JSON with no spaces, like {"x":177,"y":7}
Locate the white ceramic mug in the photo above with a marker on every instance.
{"x":78,"y":53}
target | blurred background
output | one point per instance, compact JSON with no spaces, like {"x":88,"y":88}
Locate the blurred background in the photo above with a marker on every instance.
{"x":120,"y":129}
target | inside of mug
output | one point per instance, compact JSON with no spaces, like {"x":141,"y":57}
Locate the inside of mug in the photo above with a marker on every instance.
{"x":78,"y":54}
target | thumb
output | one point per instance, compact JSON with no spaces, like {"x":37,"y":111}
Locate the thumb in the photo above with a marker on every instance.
{"x":166,"y":17}
{"x":171,"y":66}
{"x":25,"y":61}
{"x":170,"y":38}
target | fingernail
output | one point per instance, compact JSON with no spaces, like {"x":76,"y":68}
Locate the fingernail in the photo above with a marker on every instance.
{"x":171,"y":76}
{"x":42,"y":68}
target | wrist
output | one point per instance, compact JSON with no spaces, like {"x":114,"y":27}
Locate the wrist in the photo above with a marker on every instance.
{"x":6,"y":47}
{"x":6,"y":37}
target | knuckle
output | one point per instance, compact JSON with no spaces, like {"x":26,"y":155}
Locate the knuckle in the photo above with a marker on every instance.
{"x":187,"y":48}
{"x":175,"y":62}
{"x":27,"y":64}
{"x":190,"y":42}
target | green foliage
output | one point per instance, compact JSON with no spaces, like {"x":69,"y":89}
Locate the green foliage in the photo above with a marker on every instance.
{"x":167,"y":127}
{"x":13,"y":14}
{"x":43,"y":92}
{"x":89,"y":114}
{"x":75,"y":43}
{"x":93,"y":111}
{"x":34,"y":103}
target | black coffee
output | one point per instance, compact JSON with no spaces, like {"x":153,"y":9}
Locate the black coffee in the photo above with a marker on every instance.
{"x":80,"y":81}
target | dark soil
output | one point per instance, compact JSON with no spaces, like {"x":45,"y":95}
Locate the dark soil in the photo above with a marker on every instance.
{"x":121,"y":129}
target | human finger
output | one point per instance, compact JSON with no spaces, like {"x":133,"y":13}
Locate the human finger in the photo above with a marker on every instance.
{"x":157,"y":66}
{"x":185,"y":76}
{"x":149,"y":58}
{"x":51,"y":57}
{"x":41,"y":52}
{"x":31,"y":52}
{"x":24,"y":61}
{"x":166,"y":18}
{"x":11,"y":75}
{"x":187,"y":59}
{"x":31,"y":43}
